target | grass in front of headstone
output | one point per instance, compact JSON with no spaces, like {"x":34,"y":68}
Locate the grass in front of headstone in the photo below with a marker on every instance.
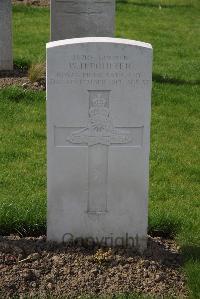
{"x":23,"y":166}
{"x":174,"y":32}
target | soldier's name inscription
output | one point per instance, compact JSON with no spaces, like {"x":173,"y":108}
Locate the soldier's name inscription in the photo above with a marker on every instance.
{"x":100,"y":71}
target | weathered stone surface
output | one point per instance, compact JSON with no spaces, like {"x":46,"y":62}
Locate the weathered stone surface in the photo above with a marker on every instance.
{"x":81,"y":18}
{"x":6,"y":58}
{"x":98,"y":119}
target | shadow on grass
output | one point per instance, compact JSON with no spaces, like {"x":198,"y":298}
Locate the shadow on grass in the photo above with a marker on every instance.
{"x":18,"y":94}
{"x":22,"y":70}
{"x":191,"y":252}
{"x":17,"y":72}
{"x":14,"y":94}
{"x":156,"y":5}
{"x":164,"y":226}
{"x":168,"y":80}
{"x":23,"y":230}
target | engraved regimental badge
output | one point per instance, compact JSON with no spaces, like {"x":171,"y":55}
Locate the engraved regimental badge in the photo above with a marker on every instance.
{"x":100,"y":128}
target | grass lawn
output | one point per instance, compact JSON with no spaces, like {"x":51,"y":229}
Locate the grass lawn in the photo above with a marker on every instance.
{"x":174,"y":31}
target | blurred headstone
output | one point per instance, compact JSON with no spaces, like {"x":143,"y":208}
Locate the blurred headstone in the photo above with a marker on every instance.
{"x":82,"y":18}
{"x":6,"y":56}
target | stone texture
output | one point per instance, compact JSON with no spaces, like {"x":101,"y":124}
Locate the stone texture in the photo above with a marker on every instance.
{"x":82,"y":18}
{"x":98,"y":123}
{"x":6,"y":58}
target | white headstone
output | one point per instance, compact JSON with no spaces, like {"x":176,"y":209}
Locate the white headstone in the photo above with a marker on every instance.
{"x":80,"y":18}
{"x":6,"y":59}
{"x":98,"y":123}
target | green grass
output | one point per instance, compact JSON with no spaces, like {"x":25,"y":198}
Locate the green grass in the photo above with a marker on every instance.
{"x":22,"y":154}
{"x":30,"y":34}
{"x":173,"y":31}
{"x":174,"y":209}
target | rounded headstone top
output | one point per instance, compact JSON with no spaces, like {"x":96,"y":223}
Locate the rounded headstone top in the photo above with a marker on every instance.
{"x":82,"y":40}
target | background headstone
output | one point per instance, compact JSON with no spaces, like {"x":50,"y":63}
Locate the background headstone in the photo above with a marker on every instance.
{"x":98,"y":122}
{"x":81,"y":18}
{"x":6,"y":58}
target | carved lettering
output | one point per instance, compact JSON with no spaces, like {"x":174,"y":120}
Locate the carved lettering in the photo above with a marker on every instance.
{"x":100,"y":71}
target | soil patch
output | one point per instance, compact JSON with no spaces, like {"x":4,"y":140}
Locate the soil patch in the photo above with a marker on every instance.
{"x":43,"y":3}
{"x":36,"y":267}
{"x":19,"y":77}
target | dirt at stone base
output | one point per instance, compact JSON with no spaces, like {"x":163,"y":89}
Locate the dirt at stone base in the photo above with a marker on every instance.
{"x":39,"y":268}
{"x":32,"y":2}
{"x":19,"y":77}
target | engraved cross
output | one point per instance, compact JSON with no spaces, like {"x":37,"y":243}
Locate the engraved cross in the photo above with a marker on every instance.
{"x":99,"y":134}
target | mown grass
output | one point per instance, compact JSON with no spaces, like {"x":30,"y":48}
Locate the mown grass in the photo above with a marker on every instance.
{"x":22,"y":153}
{"x":30,"y":34}
{"x":173,"y":28}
